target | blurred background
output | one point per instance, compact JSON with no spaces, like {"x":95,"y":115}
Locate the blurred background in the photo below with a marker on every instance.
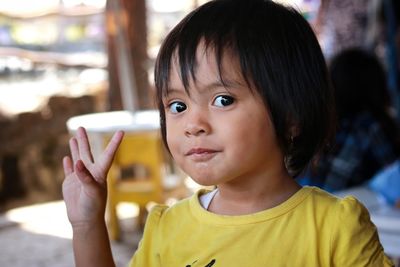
{"x":64,"y":58}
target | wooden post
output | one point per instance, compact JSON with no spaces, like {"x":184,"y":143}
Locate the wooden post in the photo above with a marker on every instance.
{"x":127,"y":54}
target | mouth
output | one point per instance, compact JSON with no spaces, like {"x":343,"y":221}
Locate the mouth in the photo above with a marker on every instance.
{"x":201,"y":154}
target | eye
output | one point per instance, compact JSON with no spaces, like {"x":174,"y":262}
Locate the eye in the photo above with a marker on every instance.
{"x":223,"y":101}
{"x":177,"y":107}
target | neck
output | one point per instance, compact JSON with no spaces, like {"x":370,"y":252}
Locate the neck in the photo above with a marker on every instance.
{"x":253,"y":195}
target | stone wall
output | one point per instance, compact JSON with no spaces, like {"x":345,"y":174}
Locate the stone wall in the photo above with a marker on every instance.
{"x":31,"y":151}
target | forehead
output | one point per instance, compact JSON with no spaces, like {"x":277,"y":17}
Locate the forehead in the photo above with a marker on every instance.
{"x":208,"y":66}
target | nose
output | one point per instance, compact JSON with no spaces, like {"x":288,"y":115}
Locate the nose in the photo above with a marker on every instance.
{"x":197,"y":123}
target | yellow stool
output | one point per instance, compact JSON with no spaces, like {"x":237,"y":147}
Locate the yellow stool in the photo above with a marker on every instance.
{"x":135,"y":176}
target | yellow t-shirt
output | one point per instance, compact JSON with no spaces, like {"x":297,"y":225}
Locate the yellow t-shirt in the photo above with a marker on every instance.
{"x":312,"y":228}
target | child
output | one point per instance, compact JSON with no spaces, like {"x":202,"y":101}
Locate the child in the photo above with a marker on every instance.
{"x":245,"y":103}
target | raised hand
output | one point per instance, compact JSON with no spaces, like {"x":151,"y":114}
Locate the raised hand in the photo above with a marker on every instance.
{"x":85,"y":187}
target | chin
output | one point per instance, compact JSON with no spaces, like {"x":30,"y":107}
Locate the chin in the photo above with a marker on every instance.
{"x":203,"y":176}
{"x":203,"y":180}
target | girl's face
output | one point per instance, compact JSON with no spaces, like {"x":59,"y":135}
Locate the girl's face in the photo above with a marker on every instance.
{"x":219,"y":134}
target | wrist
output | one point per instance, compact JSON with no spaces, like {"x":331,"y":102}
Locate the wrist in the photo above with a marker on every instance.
{"x":85,"y":227}
{"x":91,"y":245}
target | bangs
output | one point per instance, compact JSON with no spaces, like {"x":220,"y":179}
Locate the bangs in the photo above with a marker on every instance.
{"x":218,"y":35}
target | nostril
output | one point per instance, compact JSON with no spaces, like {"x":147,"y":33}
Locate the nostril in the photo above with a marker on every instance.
{"x":197,"y":123}
{"x":195,"y":130}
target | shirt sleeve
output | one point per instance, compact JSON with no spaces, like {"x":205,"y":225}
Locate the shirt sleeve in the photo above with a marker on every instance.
{"x":355,"y":240}
{"x":147,"y":252}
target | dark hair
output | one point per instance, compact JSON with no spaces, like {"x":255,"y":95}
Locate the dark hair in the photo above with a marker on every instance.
{"x":278,"y":53}
{"x":359,"y":81}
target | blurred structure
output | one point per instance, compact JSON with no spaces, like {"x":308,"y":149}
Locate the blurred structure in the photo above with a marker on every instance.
{"x":341,"y":24}
{"x":62,"y":58}
{"x":127,"y":55}
{"x":369,"y":24}
{"x":52,"y":67}
{"x":367,"y":137}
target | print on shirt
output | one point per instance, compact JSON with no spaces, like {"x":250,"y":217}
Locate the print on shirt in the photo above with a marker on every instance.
{"x":210,"y":264}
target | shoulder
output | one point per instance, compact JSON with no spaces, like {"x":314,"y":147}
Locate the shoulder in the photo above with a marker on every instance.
{"x":161,"y":221}
{"x":351,"y":206}
{"x":323,"y":199}
{"x":160,"y":212}
{"x":164,"y":223}
{"x":355,"y":240}
{"x":351,"y":213}
{"x":165,"y":214}
{"x":343,"y":210}
{"x":155,"y":214}
{"x":328,"y":207}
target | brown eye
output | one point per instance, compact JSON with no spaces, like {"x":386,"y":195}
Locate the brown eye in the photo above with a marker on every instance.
{"x":177,"y":107}
{"x":223,"y":101}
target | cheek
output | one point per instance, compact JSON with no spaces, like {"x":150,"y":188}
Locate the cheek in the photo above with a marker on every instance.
{"x":171,"y":139}
{"x":258,"y":131}
{"x":254,"y":124}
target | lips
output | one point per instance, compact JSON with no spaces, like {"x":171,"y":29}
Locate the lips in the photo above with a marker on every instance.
{"x":200,"y":151}
{"x":201,"y":154}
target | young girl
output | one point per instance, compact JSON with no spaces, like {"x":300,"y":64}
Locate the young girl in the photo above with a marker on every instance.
{"x":245,"y":103}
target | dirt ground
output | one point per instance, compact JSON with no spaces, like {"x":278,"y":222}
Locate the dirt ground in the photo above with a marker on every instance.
{"x":40,"y":236}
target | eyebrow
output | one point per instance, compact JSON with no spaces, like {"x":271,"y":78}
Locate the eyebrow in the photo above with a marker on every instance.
{"x":226,"y":83}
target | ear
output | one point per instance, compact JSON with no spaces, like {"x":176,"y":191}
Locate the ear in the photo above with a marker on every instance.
{"x":293,"y":132}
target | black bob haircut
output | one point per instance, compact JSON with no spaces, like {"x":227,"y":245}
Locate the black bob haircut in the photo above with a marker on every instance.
{"x":279,"y":58}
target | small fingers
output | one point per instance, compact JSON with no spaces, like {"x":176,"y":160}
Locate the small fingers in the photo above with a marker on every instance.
{"x":84,"y":146}
{"x":109,"y":152}
{"x":68,"y":166}
{"x":73,"y":146}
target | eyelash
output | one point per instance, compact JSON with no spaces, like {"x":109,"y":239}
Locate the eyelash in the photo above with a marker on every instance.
{"x":176,"y":104}
{"x":179,"y":106}
{"x":228,"y":100}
